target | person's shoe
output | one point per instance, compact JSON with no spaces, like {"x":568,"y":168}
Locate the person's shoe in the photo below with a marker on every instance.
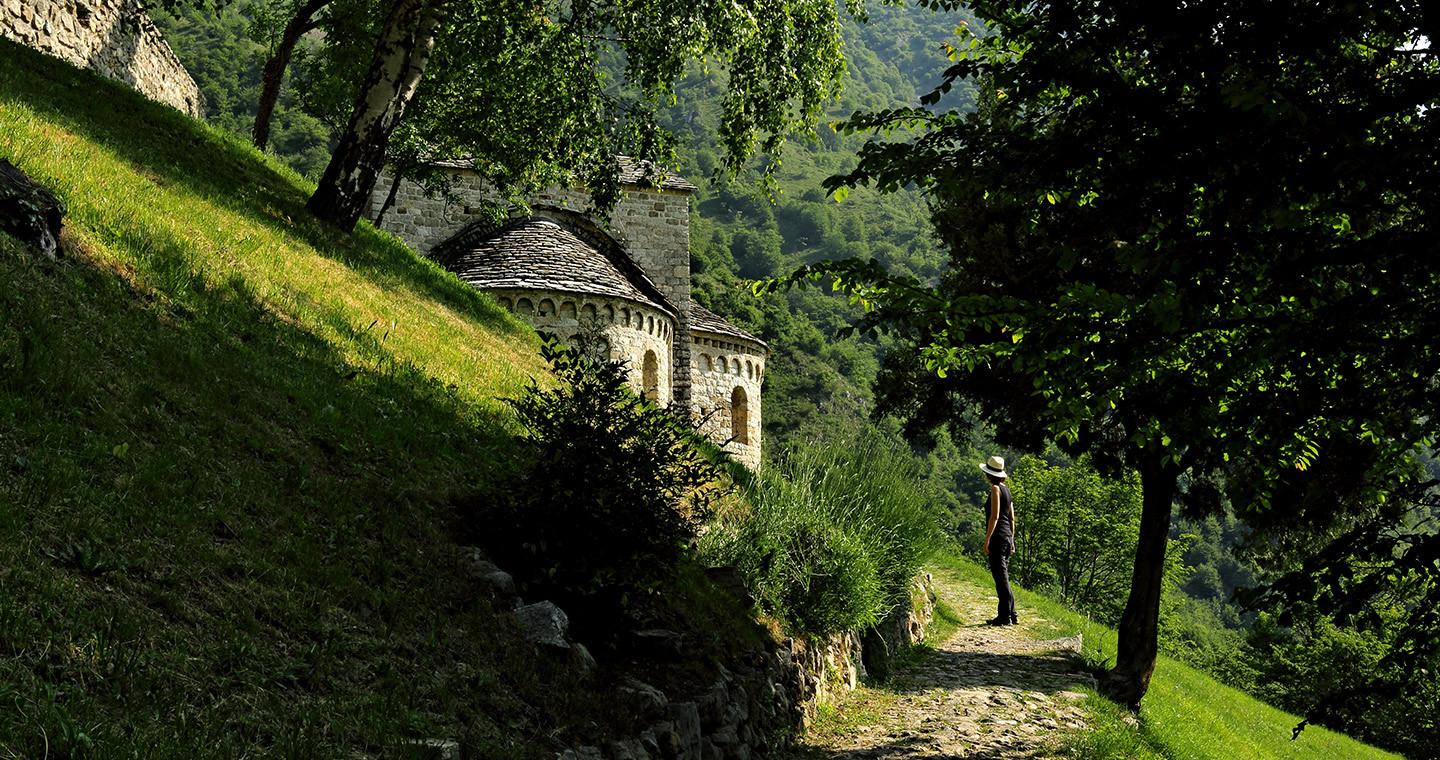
{"x":1014,"y":620}
{"x":997,"y":621}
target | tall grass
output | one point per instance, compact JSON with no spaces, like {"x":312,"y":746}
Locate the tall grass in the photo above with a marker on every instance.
{"x":831,"y":535}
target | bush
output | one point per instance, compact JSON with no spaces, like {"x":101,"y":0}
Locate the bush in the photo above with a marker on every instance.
{"x":610,"y":498}
{"x":831,"y":536}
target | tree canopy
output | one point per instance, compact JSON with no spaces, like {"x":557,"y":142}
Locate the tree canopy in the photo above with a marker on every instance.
{"x":530,"y":71}
{"x":1192,"y":240}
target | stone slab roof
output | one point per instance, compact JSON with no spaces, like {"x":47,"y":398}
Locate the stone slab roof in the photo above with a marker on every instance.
{"x":632,"y":172}
{"x":704,"y":320}
{"x":534,"y":253}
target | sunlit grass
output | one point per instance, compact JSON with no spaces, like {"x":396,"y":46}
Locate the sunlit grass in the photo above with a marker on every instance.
{"x":230,"y":441}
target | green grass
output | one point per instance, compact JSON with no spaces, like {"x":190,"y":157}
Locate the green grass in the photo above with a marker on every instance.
{"x":1186,"y":715}
{"x":230,"y":440}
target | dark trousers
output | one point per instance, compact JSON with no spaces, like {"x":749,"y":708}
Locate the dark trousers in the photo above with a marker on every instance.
{"x":1000,"y":569}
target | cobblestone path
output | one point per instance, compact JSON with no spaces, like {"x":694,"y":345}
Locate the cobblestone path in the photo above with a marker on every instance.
{"x":985,"y":693}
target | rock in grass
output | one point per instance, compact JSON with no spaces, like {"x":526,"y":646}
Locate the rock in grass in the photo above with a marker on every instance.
{"x":435,"y":749}
{"x":29,"y":211}
{"x":581,"y":659}
{"x":545,"y":624}
{"x":643,"y":698}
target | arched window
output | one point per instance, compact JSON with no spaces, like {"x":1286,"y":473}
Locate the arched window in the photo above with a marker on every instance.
{"x":547,"y":308}
{"x":609,"y":313}
{"x":749,"y":369}
{"x":739,"y":416}
{"x":523,"y":306}
{"x":507,"y":303}
{"x":706,"y":364}
{"x":650,"y":377}
{"x":650,"y":325}
{"x":721,"y":365}
{"x":567,"y":311}
{"x":737,"y":366}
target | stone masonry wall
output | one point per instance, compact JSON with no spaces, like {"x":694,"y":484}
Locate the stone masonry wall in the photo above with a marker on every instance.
{"x":114,"y":38}
{"x":761,"y":700}
{"x":630,"y":329}
{"x":719,"y":365}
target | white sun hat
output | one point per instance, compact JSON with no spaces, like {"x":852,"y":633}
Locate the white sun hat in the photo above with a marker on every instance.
{"x":996,"y":467}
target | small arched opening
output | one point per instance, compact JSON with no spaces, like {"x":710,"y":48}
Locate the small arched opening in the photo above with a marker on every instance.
{"x":650,"y":377}
{"x":739,"y":416}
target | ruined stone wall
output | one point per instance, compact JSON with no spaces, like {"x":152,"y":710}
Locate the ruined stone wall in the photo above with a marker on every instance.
{"x":720,"y":365}
{"x":630,"y":329}
{"x":114,"y":38}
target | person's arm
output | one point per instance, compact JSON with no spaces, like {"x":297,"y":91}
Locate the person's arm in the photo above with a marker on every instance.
{"x":1014,"y":526}
{"x":993,"y":517}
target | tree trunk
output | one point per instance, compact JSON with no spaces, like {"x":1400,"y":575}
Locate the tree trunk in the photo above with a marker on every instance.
{"x":274,"y":72}
{"x":400,"y":58}
{"x":390,"y":197}
{"x":1140,"y":624}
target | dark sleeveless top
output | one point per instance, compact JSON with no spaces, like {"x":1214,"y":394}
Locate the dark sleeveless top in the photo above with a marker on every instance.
{"x":1004,"y":529}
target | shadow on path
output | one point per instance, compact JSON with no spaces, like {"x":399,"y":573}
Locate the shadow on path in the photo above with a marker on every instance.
{"x":985,"y":694}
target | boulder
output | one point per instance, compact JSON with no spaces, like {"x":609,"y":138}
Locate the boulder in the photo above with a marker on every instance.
{"x":629,"y":749}
{"x":545,"y":624}
{"x":29,"y":211}
{"x":658,"y":643}
{"x":581,"y":659}
{"x":643,"y":698}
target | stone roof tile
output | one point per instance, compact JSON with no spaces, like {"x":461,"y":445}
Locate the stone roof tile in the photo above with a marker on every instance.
{"x":704,"y":320}
{"x":535,"y":254}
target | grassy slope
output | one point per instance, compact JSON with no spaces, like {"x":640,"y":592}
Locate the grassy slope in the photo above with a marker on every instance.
{"x":1186,"y":715}
{"x":228,"y":439}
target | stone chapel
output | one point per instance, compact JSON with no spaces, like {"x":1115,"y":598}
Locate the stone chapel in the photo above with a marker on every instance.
{"x":563,"y":273}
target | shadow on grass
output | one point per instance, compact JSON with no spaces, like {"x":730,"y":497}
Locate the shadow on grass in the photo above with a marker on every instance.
{"x":171,"y":148}
{"x":222,"y":491}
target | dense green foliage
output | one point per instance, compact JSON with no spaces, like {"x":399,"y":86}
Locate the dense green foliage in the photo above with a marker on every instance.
{"x":831,"y":536}
{"x":609,"y":497}
{"x":1200,"y":316}
{"x":1078,"y":536}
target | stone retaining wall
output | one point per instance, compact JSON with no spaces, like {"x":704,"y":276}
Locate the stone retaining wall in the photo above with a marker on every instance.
{"x":114,"y":38}
{"x":756,"y":705}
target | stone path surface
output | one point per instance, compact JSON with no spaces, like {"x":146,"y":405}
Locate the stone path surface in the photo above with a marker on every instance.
{"x":985,"y":693}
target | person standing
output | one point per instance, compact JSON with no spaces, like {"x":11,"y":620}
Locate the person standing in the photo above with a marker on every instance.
{"x":1000,"y":539}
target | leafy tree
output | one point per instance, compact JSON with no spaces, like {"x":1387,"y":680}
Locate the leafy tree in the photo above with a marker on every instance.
{"x":609,"y":499}
{"x":1077,"y":534}
{"x":782,"y":58}
{"x":1194,"y":241}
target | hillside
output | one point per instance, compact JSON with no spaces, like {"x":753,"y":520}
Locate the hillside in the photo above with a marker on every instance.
{"x":229,"y":443}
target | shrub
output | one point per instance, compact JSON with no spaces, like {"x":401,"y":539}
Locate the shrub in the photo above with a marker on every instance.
{"x":832,"y":536}
{"x":609,"y":499}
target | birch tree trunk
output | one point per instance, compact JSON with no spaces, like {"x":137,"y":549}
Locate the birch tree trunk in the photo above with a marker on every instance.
{"x":1140,"y":623}
{"x":274,"y":72}
{"x":400,"y":58}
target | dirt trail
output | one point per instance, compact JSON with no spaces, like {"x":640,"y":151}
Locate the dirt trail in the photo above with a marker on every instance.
{"x":985,"y":693}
